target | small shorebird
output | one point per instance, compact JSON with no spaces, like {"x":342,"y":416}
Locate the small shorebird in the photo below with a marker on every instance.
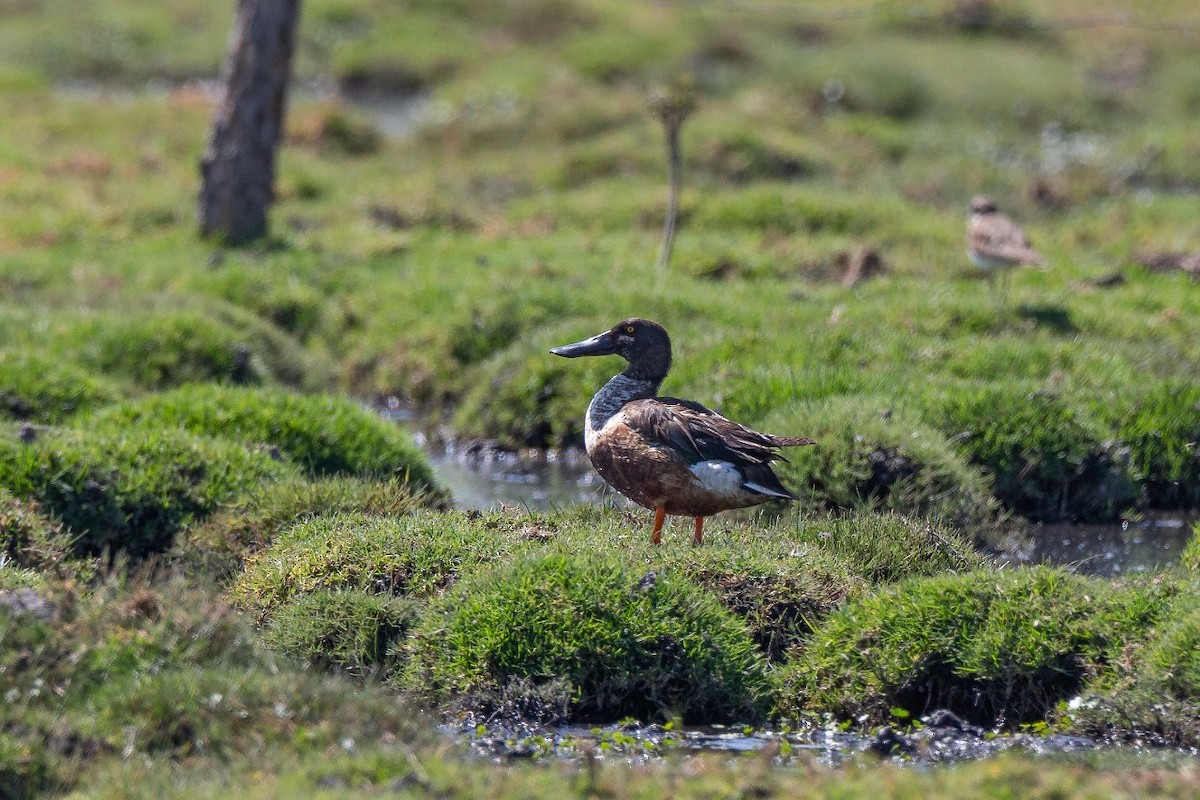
{"x":995,"y":243}
{"x":674,"y":456}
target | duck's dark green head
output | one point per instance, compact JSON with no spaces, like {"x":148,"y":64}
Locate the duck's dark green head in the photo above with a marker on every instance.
{"x":644,"y":344}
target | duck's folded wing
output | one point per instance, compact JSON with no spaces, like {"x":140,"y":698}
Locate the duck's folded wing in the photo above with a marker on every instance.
{"x":697,"y":433}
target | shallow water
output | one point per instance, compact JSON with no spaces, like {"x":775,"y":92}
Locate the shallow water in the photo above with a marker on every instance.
{"x":480,"y":477}
{"x":942,"y":738}
{"x":1117,"y":549}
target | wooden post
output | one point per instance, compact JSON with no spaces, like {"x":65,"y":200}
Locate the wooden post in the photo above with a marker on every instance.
{"x":238,"y":169}
{"x":673,"y":106}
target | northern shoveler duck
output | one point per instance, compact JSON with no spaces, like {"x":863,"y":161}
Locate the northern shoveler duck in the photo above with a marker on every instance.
{"x":995,"y":243}
{"x":674,"y":456}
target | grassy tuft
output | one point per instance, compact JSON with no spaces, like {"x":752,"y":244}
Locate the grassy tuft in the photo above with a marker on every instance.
{"x":158,"y":342}
{"x":997,"y":648}
{"x":218,"y":544}
{"x":868,"y":456}
{"x":415,"y":554}
{"x":1048,"y":460}
{"x":322,"y":434}
{"x":344,"y":629}
{"x":46,"y":390}
{"x":1162,"y":432}
{"x":884,"y":548}
{"x":1190,"y":557}
{"x":130,"y":491}
{"x":1156,"y":693}
{"x":31,"y":541}
{"x":626,"y":643}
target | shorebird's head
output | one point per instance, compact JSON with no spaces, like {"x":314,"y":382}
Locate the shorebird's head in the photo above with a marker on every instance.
{"x":980,"y":204}
{"x":644,"y":344}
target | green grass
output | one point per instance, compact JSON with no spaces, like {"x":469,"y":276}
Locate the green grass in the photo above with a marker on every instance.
{"x":997,"y":647}
{"x":47,"y":390}
{"x":414,"y":554}
{"x":868,"y":456}
{"x":523,"y":211}
{"x":324,"y":436}
{"x":1162,"y":429}
{"x":218,"y":544}
{"x":343,"y":629}
{"x":34,"y":546}
{"x":168,"y":672}
{"x":617,"y":643}
{"x":130,"y":492}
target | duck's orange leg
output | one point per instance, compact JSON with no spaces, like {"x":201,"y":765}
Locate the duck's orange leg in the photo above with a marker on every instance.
{"x":660,"y":514}
{"x":698,"y":538}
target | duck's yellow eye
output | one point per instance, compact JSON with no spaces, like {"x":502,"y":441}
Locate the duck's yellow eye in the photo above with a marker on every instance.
{"x":629,"y":329}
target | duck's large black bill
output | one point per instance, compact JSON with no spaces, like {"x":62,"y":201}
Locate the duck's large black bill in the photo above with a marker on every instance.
{"x":598,"y":345}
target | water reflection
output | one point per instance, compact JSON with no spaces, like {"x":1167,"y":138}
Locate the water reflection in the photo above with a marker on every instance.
{"x":1108,"y":550}
{"x":481,"y":477}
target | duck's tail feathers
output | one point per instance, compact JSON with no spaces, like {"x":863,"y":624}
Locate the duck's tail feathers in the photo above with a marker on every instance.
{"x":769,"y":491}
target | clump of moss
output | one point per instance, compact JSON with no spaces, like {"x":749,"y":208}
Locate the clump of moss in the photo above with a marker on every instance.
{"x":130,"y":491}
{"x":345,"y":629}
{"x":324,"y":435}
{"x":218,"y":544}
{"x":998,"y":648}
{"x":1157,"y":692}
{"x":1048,"y":460}
{"x":868,"y":456}
{"x":1162,"y":432}
{"x":627,"y":643}
{"x":46,"y":390}
{"x":164,"y":669}
{"x":416,"y":554}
